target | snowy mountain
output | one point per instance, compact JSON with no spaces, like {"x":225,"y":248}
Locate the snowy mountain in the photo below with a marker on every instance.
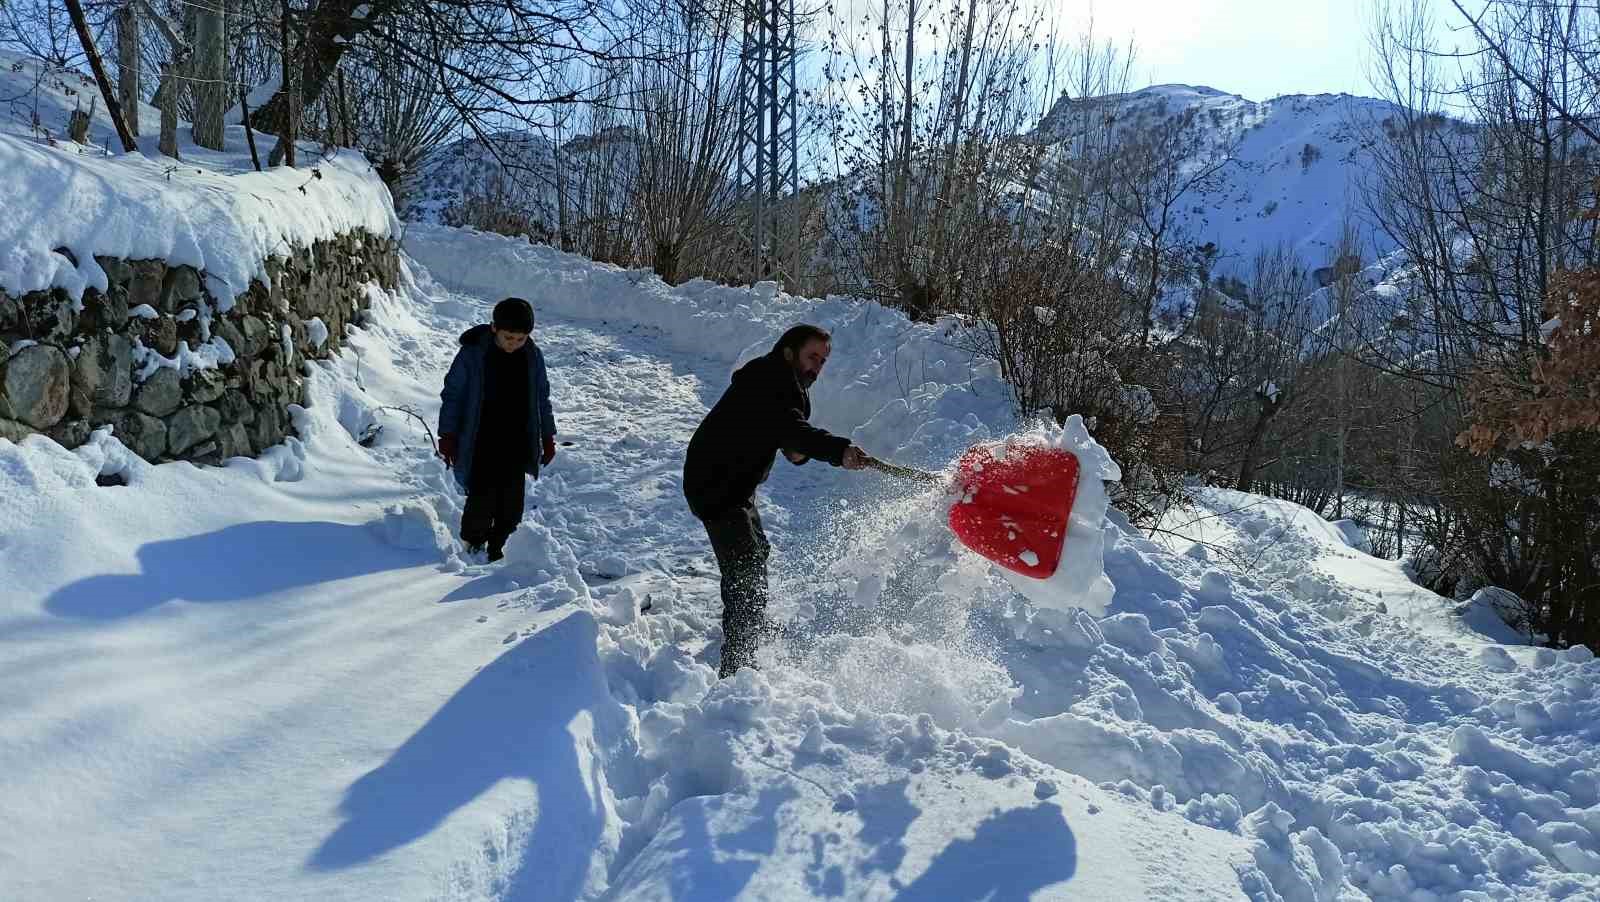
{"x":520,"y":162}
{"x":518,"y":172}
{"x":1296,"y":162}
{"x":1295,"y":173}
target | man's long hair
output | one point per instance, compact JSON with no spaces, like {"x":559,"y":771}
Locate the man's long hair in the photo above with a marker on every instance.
{"x":797,"y":336}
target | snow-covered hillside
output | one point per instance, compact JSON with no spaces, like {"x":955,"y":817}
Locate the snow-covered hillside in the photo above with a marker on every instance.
{"x":284,"y":679}
{"x":1295,"y":176}
{"x":521,"y":165}
{"x":519,"y":172}
{"x":1296,"y":172}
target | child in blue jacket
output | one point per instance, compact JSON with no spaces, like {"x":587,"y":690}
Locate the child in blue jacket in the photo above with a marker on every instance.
{"x":495,"y":425}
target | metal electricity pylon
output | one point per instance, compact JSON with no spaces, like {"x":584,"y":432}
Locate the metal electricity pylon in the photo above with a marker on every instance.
{"x":769,"y":153}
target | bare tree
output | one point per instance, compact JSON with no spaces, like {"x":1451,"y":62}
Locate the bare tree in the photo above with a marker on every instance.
{"x":403,"y":110}
{"x":1161,"y":163}
{"x":1245,"y":361}
{"x":81,"y":24}
{"x":42,"y":29}
{"x":687,"y":129}
{"x":925,"y":138}
{"x":1488,"y":216}
{"x":603,"y":225}
{"x":492,"y":64}
{"x":128,"y":65}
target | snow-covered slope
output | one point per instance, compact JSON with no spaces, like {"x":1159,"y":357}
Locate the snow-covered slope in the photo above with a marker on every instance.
{"x":1296,"y":172}
{"x":1297,"y":163}
{"x":519,"y":172}
{"x":521,"y":168}
{"x":283,"y":679}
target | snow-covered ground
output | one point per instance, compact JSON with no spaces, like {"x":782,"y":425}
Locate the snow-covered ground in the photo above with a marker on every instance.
{"x":281,"y":679}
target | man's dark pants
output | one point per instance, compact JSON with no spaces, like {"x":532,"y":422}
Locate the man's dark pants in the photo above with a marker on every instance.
{"x":493,"y":511}
{"x":741,"y":548}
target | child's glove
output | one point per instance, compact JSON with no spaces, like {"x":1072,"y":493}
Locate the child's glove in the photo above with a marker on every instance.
{"x":447,"y":449}
{"x":549,"y":451}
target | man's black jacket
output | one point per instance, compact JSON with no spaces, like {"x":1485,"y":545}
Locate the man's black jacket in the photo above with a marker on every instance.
{"x":762,"y":412}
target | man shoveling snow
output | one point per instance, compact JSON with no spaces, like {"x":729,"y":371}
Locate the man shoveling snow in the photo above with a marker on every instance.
{"x":763,"y":412}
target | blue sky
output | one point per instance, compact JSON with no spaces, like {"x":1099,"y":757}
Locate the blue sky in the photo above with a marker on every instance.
{"x":1255,"y":48}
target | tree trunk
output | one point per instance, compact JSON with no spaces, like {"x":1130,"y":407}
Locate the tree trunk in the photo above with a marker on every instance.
{"x":665,"y":263}
{"x":210,"y":71}
{"x":128,"y":66}
{"x":289,"y":122}
{"x":328,"y":29}
{"x":78,"y":125}
{"x":170,"y":86}
{"x":1247,"y":467}
{"x":344,"y":115}
{"x":75,"y":10}
{"x":901,"y":204}
{"x":1153,"y":287}
{"x":249,"y":133}
{"x":563,"y":219}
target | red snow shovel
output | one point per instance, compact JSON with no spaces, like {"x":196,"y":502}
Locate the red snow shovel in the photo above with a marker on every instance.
{"x":1014,"y":506}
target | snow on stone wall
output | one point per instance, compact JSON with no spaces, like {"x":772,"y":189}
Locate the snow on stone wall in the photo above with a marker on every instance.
{"x":176,"y":374}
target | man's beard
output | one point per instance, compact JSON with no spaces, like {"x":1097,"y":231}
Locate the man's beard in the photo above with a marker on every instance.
{"x":806,"y":379}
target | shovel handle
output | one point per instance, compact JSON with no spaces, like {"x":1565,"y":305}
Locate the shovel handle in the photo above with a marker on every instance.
{"x":903,"y":472}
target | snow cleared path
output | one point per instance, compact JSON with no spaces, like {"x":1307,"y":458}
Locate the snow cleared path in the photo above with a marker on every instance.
{"x":281,"y":680}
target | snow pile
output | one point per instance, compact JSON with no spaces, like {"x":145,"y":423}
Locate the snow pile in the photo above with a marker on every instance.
{"x":67,"y":204}
{"x":415,"y":527}
{"x":535,"y":556}
{"x":1491,"y":611}
{"x":769,"y":791}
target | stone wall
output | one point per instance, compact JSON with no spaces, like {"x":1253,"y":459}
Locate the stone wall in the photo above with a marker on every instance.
{"x":177,"y":377}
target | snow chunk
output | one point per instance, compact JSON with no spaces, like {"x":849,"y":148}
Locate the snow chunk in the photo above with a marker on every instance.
{"x":1471,"y":745}
{"x":414,"y":526}
{"x":1354,"y":535}
{"x":109,"y":457}
{"x":317,"y":332}
{"x":536,"y":557}
{"x":1497,"y":659}
{"x":1490,"y":613}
